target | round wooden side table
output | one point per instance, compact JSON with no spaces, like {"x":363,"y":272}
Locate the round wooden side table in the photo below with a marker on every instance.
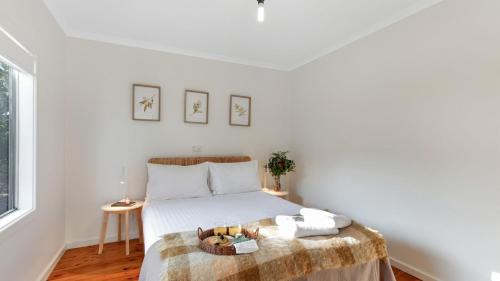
{"x":123,"y":214}
{"x":282,"y":193}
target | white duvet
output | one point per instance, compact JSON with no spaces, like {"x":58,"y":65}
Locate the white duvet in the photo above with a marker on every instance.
{"x":177,"y":215}
{"x":161,"y":217}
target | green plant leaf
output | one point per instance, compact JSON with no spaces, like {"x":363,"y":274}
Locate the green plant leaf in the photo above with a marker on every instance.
{"x":279,"y":164}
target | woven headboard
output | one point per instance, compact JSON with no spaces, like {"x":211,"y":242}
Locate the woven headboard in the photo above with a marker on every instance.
{"x":186,"y":161}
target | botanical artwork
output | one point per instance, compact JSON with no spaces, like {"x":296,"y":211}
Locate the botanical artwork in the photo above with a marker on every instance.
{"x":146,"y":102}
{"x":196,"y":107}
{"x":240,"y":110}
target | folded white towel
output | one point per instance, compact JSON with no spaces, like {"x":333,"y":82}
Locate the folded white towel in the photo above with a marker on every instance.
{"x":312,"y":215}
{"x":295,"y":227}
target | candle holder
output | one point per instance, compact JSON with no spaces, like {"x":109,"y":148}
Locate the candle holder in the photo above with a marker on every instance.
{"x":125,"y":201}
{"x":124,"y":186}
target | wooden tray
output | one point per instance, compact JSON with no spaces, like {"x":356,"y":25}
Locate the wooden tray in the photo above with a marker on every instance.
{"x":221,"y":250}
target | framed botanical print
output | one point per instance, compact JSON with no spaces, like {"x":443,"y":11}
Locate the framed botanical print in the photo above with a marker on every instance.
{"x":146,"y":102}
{"x":240,"y":110}
{"x":196,"y":107}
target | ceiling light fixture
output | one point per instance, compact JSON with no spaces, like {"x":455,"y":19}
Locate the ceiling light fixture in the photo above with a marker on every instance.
{"x":260,"y":10}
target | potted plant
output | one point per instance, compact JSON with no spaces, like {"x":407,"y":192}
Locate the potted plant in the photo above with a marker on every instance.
{"x":279,"y":165}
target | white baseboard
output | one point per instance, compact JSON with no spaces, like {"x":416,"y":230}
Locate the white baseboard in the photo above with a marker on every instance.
{"x":95,"y":240}
{"x":420,"y":274}
{"x":50,"y":267}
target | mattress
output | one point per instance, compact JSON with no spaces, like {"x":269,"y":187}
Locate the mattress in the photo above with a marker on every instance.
{"x":170,"y":216}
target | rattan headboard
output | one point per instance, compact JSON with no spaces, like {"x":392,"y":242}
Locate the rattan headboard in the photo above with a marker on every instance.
{"x":186,"y":161}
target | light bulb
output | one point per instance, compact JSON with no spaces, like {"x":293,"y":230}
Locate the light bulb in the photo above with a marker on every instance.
{"x":260,"y":12}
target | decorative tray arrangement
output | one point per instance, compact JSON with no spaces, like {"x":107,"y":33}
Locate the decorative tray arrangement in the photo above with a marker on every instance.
{"x":228,"y":241}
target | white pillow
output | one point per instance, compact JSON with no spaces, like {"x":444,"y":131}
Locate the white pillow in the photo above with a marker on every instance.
{"x":171,"y":181}
{"x":239,"y":177}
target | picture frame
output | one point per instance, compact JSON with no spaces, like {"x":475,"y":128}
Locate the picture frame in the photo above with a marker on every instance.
{"x":196,"y":107}
{"x":240,"y":110}
{"x":146,"y":102}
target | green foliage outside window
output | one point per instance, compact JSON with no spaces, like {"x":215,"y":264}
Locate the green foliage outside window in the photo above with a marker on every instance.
{"x":4,"y":136}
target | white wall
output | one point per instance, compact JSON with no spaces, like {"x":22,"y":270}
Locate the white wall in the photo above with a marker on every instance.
{"x":28,"y":247}
{"x":101,"y":135}
{"x":400,"y":130}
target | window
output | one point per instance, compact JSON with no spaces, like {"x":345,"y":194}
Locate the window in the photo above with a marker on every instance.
{"x":17,"y":131}
{"x":7,"y":139}
{"x":17,"y":143}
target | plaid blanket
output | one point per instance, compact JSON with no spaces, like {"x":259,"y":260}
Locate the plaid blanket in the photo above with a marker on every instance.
{"x":277,"y":258}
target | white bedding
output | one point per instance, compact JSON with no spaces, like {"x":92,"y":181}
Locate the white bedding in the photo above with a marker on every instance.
{"x":169,"y":216}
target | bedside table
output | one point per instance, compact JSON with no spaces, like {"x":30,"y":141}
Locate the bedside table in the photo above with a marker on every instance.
{"x":123,"y":213}
{"x":282,"y":194}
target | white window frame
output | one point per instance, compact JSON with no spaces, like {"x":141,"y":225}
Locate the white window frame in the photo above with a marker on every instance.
{"x":25,"y":144}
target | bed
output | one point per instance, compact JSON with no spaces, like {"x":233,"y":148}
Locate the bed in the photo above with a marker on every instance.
{"x":169,"y":217}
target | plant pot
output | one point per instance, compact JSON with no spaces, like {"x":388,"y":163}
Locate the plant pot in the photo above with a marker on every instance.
{"x":277,"y":184}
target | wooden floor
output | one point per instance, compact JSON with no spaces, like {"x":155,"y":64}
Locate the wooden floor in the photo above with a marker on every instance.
{"x":403,"y":276}
{"x":113,"y":265}
{"x":85,"y":264}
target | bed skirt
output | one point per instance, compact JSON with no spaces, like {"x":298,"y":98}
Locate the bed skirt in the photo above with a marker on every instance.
{"x":378,"y":270}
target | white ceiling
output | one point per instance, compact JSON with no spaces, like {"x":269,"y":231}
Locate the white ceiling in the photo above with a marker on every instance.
{"x":294,"y":33}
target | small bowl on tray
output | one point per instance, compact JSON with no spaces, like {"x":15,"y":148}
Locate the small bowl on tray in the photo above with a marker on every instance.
{"x":218,"y":241}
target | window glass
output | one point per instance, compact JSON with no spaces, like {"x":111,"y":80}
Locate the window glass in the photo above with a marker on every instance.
{"x":7,"y":196}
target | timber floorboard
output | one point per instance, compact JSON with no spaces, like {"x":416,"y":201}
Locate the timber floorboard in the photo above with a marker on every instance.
{"x":84,"y":264}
